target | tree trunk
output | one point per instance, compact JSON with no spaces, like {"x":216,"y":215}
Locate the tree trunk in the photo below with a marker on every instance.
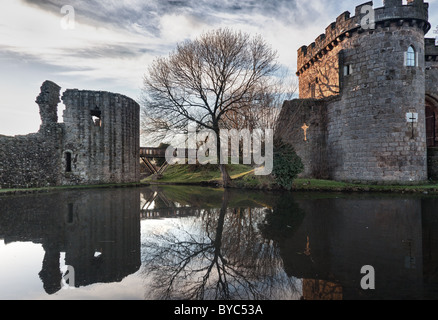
{"x":226,"y":179}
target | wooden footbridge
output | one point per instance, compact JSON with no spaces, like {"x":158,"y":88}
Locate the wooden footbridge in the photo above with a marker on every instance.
{"x":147,"y":155}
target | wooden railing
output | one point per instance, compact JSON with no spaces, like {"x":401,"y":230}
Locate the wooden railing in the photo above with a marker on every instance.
{"x":153,"y":152}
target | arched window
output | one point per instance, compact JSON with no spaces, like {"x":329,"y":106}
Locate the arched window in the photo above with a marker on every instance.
{"x":411,"y":57}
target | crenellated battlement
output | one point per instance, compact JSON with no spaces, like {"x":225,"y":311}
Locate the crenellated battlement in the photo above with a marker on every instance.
{"x":414,"y":13}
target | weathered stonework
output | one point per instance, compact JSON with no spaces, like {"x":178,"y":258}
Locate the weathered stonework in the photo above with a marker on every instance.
{"x":432,"y":161}
{"x":48,"y":101}
{"x":98,"y":142}
{"x":109,"y":145}
{"x":366,"y":135}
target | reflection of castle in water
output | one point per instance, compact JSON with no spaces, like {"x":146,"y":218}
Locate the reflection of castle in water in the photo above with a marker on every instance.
{"x":323,"y":240}
{"x":335,"y":238}
{"x":99,"y":231}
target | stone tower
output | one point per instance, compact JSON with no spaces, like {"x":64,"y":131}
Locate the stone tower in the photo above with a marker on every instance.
{"x":98,"y":142}
{"x":102,"y":139}
{"x":362,"y":96}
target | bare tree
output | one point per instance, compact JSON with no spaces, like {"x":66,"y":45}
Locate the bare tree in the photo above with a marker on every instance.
{"x":207,"y":80}
{"x":266,"y":106}
{"x":223,"y":255}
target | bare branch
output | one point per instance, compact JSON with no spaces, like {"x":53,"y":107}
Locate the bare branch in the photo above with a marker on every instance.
{"x":213,"y":81}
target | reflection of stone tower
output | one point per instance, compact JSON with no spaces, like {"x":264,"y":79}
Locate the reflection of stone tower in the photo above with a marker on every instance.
{"x":78,"y":224}
{"x":50,"y":274}
{"x":102,"y":237}
{"x":48,"y":101}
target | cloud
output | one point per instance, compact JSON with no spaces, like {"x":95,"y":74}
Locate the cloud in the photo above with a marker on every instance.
{"x":147,"y":14}
{"x":114,"y":34}
{"x":114,"y":41}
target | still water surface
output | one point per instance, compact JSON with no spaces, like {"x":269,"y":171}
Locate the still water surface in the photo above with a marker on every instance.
{"x":200,"y":243}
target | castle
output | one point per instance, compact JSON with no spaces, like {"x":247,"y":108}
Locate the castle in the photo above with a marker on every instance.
{"x":368,"y":98}
{"x":98,"y":142}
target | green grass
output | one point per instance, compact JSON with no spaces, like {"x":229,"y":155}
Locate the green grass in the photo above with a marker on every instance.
{"x":251,"y":181}
{"x":61,"y":188}
{"x":243,"y":177}
{"x":203,"y":174}
{"x":328,"y":185}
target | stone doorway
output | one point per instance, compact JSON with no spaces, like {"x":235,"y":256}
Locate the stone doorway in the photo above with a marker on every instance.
{"x":431,"y":122}
{"x":432,"y":136}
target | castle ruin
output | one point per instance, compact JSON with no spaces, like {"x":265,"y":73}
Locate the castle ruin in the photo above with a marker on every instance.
{"x":368,"y":98}
{"x":98,"y":142}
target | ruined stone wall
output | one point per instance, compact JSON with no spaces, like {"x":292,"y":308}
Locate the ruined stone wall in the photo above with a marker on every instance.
{"x":368,"y":136}
{"x":102,"y":137}
{"x":98,"y":142}
{"x":30,"y":161}
{"x":34,"y":160}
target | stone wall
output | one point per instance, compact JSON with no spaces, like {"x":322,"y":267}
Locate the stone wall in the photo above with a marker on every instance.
{"x":34,"y":160}
{"x":310,"y":144}
{"x":102,"y":137}
{"x":368,"y":137}
{"x":369,"y":125}
{"x":432,"y":161}
{"x":98,"y":142}
{"x":337,"y":32}
{"x":30,"y":161}
{"x":431,"y":64}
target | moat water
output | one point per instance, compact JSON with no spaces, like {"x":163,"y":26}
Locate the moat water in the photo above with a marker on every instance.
{"x":196,"y":243}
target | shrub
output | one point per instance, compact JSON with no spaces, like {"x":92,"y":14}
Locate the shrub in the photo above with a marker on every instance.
{"x":287,"y":165}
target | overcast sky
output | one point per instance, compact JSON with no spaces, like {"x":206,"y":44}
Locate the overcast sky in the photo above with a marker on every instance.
{"x":114,"y":41}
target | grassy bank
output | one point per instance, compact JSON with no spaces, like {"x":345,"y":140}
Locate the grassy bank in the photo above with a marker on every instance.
{"x":63,"y":188}
{"x":326,"y":185}
{"x":209,"y":174}
{"x":243,"y":177}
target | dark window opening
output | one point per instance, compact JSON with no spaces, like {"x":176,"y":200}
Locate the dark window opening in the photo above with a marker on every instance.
{"x":347,"y":70}
{"x":96,"y":117}
{"x":68,"y":162}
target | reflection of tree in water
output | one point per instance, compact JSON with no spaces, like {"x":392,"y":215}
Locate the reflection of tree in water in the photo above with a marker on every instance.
{"x":221,"y":255}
